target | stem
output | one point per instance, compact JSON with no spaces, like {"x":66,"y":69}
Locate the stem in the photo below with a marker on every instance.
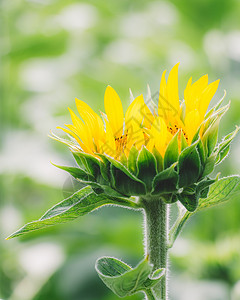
{"x":156,"y":235}
{"x":149,"y":295}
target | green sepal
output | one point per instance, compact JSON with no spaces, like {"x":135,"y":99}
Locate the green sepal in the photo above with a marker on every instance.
{"x":202,"y":187}
{"x":171,"y":154}
{"x":209,"y":165}
{"x":79,"y":204}
{"x":170,"y":198}
{"x":123,"y":159}
{"x":224,"y":147}
{"x":216,"y":107}
{"x":165,"y":182}
{"x":80,"y":160}
{"x":124,"y":280}
{"x":126,"y":184}
{"x":92,"y":163}
{"x":132,"y":160}
{"x":77,"y":173}
{"x":189,"y":166}
{"x":158,"y":158}
{"x":189,"y":199}
{"x":196,"y":136}
{"x":124,"y":181}
{"x":184,"y":143}
{"x":224,"y":189}
{"x":217,"y":114}
{"x":147,"y":167}
{"x":210,"y":137}
{"x":105,"y":168}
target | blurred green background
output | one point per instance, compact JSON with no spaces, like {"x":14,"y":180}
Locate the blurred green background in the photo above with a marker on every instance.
{"x":52,"y":51}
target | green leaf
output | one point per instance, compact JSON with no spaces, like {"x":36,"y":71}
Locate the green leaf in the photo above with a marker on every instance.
{"x":124,"y":280}
{"x":79,"y":204}
{"x":77,"y":173}
{"x":222,"y":190}
{"x":189,"y":166}
{"x":165,"y":182}
{"x":132,"y":160}
{"x":171,"y":154}
{"x":147,"y":167}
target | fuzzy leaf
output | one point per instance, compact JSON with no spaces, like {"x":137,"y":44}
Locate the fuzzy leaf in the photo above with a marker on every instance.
{"x":124,"y":280}
{"x":222,"y":190}
{"x":79,"y":204}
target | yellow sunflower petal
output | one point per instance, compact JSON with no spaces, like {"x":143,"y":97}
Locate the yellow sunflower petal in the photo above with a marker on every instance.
{"x":114,"y":111}
{"x":172,"y":89}
{"x":206,"y":97}
{"x":192,"y":122}
{"x":162,"y":112}
{"x":135,"y":112}
{"x":158,"y":134}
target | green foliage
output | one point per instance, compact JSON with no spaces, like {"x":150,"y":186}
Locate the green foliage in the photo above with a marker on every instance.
{"x":79,"y":204}
{"x":221,"y":191}
{"x":124,"y":280}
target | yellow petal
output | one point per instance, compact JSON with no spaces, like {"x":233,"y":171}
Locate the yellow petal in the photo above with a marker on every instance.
{"x":172,"y":89}
{"x":206,"y":97}
{"x":109,"y":147}
{"x":192,"y":93}
{"x":162,"y":102}
{"x":135,"y":112}
{"x":192,"y":122}
{"x":135,"y":136}
{"x":74,"y":135}
{"x":114,"y":111}
{"x":92,"y":120}
{"x":158,"y":134}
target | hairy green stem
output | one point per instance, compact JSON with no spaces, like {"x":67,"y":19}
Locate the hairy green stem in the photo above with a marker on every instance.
{"x":150,"y":295}
{"x":156,"y":236}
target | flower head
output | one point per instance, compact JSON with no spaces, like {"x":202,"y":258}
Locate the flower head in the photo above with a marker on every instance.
{"x":168,"y":150}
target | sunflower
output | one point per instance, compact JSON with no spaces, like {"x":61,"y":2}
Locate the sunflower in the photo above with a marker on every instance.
{"x":168,"y":149}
